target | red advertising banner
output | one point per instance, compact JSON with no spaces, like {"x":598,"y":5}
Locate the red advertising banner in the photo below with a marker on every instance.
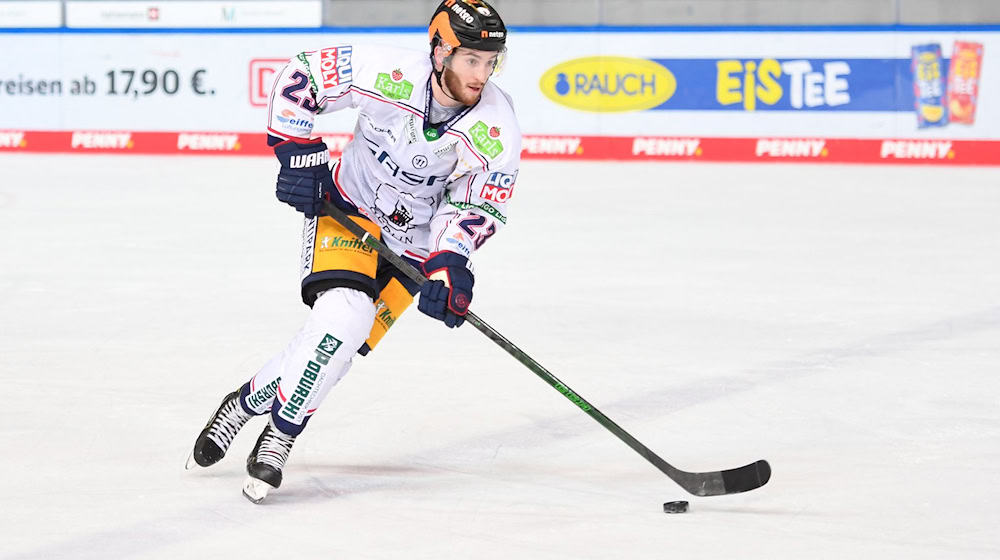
{"x":551,"y":147}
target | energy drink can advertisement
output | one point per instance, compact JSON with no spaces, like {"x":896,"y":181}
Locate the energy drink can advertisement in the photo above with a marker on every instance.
{"x":963,"y":81}
{"x":929,"y":85}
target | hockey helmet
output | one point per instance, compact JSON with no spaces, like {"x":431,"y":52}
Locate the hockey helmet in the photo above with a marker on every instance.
{"x":472,"y":24}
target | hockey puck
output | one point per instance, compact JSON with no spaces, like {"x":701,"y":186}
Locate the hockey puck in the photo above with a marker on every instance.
{"x":679,"y":506}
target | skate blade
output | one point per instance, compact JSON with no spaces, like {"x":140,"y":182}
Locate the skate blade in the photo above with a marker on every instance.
{"x":256,"y":490}
{"x":190,"y":463}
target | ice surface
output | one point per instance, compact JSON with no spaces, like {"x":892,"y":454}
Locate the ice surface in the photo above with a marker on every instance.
{"x":842,"y":322}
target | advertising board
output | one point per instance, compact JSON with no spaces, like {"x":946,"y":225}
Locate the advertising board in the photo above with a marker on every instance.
{"x":824,"y":96}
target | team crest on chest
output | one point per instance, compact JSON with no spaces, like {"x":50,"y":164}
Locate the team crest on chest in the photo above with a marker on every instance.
{"x":399,"y":212}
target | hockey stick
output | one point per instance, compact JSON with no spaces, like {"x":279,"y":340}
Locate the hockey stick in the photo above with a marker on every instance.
{"x":713,"y":483}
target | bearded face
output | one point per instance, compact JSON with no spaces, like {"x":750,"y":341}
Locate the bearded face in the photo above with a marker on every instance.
{"x":466,"y":72}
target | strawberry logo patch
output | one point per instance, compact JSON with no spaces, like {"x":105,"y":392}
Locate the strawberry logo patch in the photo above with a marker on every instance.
{"x":393,"y":86}
{"x":495,"y":132}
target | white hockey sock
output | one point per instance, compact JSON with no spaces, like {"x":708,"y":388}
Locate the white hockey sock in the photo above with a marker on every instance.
{"x":320,"y":355}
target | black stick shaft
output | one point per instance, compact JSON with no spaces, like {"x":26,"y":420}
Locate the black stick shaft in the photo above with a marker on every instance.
{"x":701,"y":484}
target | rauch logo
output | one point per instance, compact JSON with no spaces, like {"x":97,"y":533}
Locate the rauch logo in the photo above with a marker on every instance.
{"x":606,"y":84}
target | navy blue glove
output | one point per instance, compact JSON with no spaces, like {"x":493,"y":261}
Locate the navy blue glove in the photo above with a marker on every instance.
{"x":446,"y":296}
{"x":304,"y":180}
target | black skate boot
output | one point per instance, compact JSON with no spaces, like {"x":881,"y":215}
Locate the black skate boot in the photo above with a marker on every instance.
{"x":222,"y":427}
{"x":265,"y":463}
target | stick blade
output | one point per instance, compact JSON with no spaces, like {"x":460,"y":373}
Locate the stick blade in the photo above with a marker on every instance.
{"x":747,"y":477}
{"x":720,"y":483}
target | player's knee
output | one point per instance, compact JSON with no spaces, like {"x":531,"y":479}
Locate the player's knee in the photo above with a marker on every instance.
{"x":345,"y":313}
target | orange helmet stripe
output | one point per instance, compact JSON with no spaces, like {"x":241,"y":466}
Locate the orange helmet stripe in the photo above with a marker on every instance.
{"x":441,"y":25}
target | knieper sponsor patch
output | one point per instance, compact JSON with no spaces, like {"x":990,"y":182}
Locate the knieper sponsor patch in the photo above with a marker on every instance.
{"x":216,"y":142}
{"x":666,"y":147}
{"x":499,"y":186}
{"x":917,"y":149}
{"x":12,"y":140}
{"x":791,"y":148}
{"x":102,"y":140}
{"x":335,"y":66}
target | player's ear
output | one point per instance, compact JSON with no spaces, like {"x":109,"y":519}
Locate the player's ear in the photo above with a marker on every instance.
{"x":438,"y":57}
{"x":441,"y":52}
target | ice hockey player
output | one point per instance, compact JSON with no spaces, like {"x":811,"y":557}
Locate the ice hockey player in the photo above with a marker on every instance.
{"x":429,"y":171}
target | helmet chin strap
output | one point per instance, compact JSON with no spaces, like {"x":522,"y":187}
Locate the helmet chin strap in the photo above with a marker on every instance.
{"x":438,"y":74}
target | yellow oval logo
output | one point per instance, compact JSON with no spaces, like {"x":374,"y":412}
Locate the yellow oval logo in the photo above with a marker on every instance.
{"x":608,"y":84}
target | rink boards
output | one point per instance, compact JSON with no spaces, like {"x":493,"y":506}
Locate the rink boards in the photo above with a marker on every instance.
{"x":856,"y":95}
{"x":553,"y":147}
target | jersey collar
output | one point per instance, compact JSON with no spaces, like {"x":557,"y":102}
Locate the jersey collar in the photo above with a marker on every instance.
{"x":432,"y":133}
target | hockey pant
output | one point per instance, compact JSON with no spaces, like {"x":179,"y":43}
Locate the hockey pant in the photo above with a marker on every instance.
{"x":340,"y":279}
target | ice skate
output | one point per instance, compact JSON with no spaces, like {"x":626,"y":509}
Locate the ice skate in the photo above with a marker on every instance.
{"x":265,"y":463}
{"x":222,"y":427}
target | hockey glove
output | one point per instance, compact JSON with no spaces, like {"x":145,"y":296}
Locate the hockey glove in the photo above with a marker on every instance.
{"x":304,"y":180}
{"x":448,"y":292}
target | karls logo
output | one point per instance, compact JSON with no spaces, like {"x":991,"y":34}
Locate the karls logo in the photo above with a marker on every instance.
{"x":675,"y":147}
{"x":335,"y":66}
{"x":102,"y":140}
{"x":210,"y":142}
{"x":606,"y":84}
{"x":262,"y":74}
{"x":485,"y":139}
{"x":499,"y":186}
{"x":916,"y":149}
{"x":752,"y":81}
{"x":393,"y":85}
{"x":309,"y":160}
{"x":12,"y":140}
{"x":791,"y":148}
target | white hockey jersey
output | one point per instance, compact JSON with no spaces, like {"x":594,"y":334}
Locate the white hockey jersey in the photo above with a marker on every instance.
{"x":444,"y":189}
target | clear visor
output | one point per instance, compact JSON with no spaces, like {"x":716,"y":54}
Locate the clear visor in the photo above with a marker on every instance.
{"x":466,"y":60}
